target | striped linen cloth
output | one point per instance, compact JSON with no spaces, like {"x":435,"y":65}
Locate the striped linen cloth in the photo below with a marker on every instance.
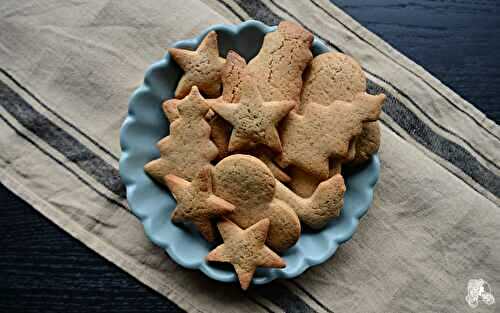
{"x":68,"y":68}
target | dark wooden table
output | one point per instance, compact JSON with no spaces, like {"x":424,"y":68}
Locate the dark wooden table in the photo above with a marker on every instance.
{"x":43,"y":269}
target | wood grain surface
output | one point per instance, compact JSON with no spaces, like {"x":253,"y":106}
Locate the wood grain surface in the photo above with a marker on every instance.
{"x":42,"y":269}
{"x":455,"y":40}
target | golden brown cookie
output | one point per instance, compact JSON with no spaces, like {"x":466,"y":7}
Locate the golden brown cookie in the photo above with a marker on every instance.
{"x":322,"y":206}
{"x":332,"y":76}
{"x":220,"y":129}
{"x":202,"y":68}
{"x":233,"y":73}
{"x":188,"y":148}
{"x":335,"y":76}
{"x":247,"y":182}
{"x":231,"y":76}
{"x":324,"y":132}
{"x":196,"y":202}
{"x":277,"y":69}
{"x":245,"y":249}
{"x":254,"y":121}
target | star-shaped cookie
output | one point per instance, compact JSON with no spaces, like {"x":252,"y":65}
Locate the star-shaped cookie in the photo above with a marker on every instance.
{"x":201,"y":68}
{"x":196,"y":202}
{"x":245,"y":249}
{"x":188,"y":148}
{"x":254,"y":121}
{"x":324,"y":132}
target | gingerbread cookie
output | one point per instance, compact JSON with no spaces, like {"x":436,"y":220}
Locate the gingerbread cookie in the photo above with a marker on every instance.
{"x":233,"y":74}
{"x":245,"y":249}
{"x":277,"y":69}
{"x":246,"y":182}
{"x":220,"y":129}
{"x":188,"y":148}
{"x":202,"y":68}
{"x":254,"y":121}
{"x":322,"y":206}
{"x":196,"y":202}
{"x":324,"y":132}
{"x":335,"y":76}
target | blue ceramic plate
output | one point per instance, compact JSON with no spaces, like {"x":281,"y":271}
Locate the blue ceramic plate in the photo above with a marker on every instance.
{"x":146,"y":124}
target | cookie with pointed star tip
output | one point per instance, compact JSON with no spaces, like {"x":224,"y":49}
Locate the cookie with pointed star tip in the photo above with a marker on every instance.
{"x":323,"y":132}
{"x":247,"y":182}
{"x":196,"y":202}
{"x":232,"y":76}
{"x":245,"y":249}
{"x":254,"y":120}
{"x":278,"y":67}
{"x":188,"y":148}
{"x":201,"y":67}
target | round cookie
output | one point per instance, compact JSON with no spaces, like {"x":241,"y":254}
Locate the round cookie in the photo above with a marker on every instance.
{"x":247,"y":182}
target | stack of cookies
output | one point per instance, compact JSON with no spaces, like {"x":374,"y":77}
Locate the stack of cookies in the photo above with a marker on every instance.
{"x":256,"y":149}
